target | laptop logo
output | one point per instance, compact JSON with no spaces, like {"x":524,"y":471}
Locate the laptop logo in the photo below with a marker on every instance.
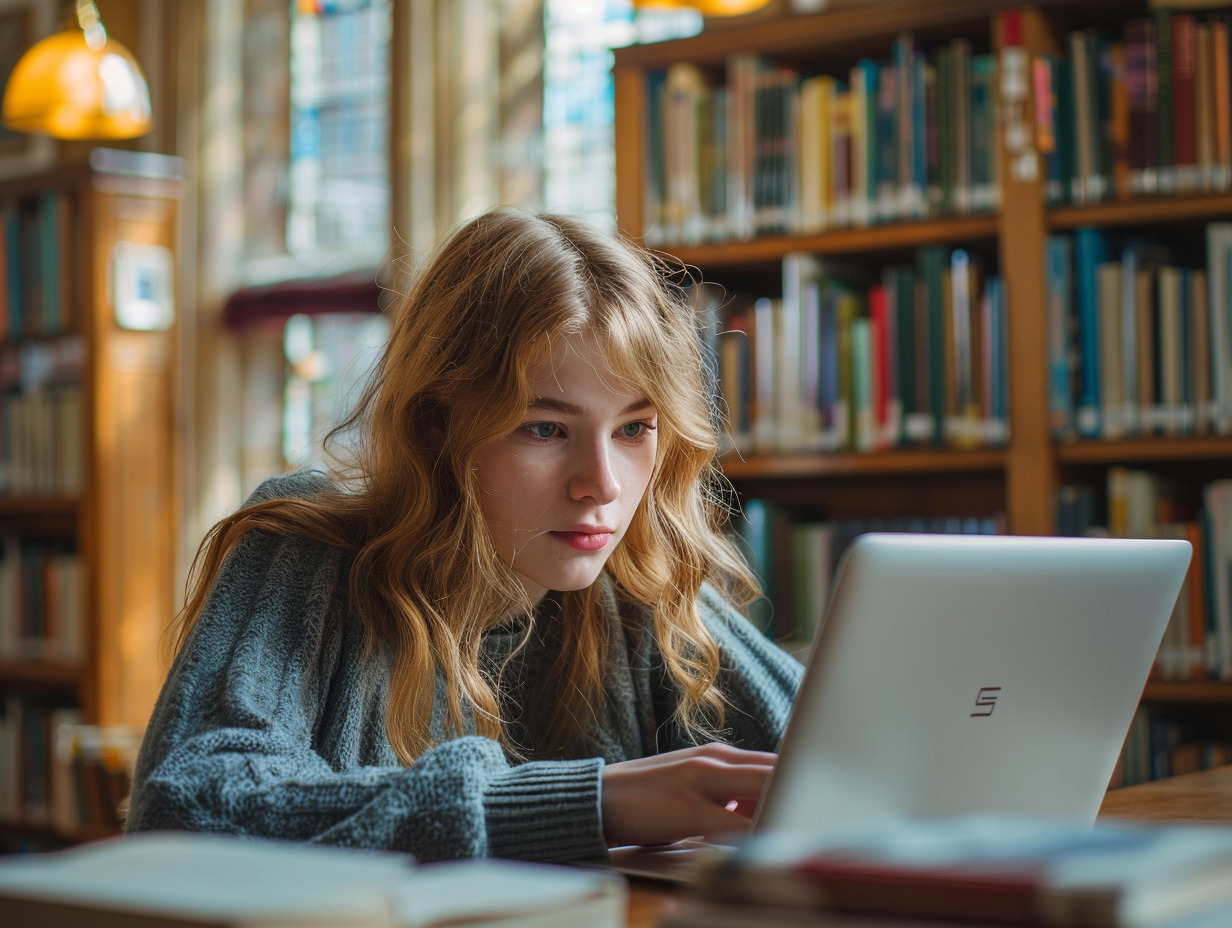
{"x":986,"y":700}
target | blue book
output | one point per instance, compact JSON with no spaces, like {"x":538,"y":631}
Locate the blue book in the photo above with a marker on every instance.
{"x":654,"y":192}
{"x":50,"y":266}
{"x":1090,"y":250}
{"x":1058,"y":287}
{"x":900,"y":282}
{"x":887,"y":142}
{"x":865,"y":139}
{"x":13,"y":271}
{"x":756,"y":536}
{"x":998,"y":360}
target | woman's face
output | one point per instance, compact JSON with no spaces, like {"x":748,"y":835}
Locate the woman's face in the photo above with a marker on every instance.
{"x":559,"y":491}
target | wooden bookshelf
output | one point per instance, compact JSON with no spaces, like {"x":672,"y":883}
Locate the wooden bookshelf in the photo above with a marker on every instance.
{"x":51,"y":674}
{"x":102,"y":493}
{"x":1021,"y":479}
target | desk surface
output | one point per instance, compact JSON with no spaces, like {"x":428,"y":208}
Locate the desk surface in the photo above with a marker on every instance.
{"x":1194,"y":797}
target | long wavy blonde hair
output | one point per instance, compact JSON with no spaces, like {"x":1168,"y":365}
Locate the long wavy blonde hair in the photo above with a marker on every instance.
{"x":425,"y":577}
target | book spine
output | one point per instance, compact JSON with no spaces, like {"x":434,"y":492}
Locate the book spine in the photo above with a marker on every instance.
{"x":1219,"y":307}
{"x":1221,"y":101}
{"x":1090,"y":250}
{"x":1142,"y":87}
{"x":1164,"y":127}
{"x":1058,"y":283}
{"x":1111,"y":350}
{"x":1199,"y":352}
{"x":1184,"y":115}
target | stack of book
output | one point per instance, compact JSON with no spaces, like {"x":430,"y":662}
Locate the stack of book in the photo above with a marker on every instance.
{"x":918,"y":357}
{"x":986,"y":870}
{"x":769,"y":149}
{"x":172,"y":879}
{"x":1137,"y":503}
{"x":42,"y":420}
{"x":58,"y":773}
{"x":795,"y":555}
{"x":1144,"y":110}
{"x":1139,"y":337}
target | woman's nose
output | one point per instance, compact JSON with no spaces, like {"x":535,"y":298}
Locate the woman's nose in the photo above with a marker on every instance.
{"x":593,"y":476}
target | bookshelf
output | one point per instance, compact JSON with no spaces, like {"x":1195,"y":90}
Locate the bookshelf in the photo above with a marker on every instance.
{"x":1017,"y":480}
{"x":88,"y":485}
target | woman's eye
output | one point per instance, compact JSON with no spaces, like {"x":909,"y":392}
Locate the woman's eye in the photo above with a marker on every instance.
{"x":635,"y":429}
{"x":542,"y":429}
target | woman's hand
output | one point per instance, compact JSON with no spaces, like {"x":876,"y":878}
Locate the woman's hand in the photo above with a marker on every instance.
{"x":708,"y":790}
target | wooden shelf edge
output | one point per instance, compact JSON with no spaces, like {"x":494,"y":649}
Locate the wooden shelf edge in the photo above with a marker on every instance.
{"x":57,"y":506}
{"x":812,"y":33}
{"x":847,"y":465}
{"x":838,"y":241}
{"x":44,"y":673}
{"x":44,"y":831}
{"x":1213,"y":691}
{"x":1142,"y":210}
{"x":1144,"y":449}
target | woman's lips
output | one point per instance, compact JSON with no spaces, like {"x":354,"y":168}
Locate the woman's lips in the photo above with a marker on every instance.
{"x":584,"y":541}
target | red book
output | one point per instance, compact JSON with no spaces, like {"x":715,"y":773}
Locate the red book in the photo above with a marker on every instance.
{"x":1184,"y":115}
{"x":880,"y":367}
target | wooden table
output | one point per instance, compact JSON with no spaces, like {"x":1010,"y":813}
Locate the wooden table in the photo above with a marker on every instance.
{"x":1194,"y":797}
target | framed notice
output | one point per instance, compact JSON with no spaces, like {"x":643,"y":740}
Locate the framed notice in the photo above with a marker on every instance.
{"x":142,"y":287}
{"x":22,"y":23}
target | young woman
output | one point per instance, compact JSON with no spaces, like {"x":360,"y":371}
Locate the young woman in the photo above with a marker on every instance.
{"x":504,"y":626}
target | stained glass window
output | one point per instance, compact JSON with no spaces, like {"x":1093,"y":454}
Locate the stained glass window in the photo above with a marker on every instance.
{"x":578,"y":111}
{"x":339,"y":140}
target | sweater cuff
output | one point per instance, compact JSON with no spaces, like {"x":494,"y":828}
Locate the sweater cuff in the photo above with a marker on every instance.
{"x":547,"y":811}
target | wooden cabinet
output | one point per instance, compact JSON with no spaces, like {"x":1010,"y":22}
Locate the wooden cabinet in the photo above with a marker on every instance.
{"x":89,"y":460}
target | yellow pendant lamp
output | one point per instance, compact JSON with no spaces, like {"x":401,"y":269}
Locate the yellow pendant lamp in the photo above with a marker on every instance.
{"x":78,"y":84}
{"x":708,"y":7}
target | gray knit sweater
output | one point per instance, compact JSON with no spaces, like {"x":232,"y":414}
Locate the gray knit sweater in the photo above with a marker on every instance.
{"x":272,"y":722}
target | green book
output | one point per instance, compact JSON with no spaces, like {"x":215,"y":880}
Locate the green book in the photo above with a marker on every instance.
{"x":932,"y":263}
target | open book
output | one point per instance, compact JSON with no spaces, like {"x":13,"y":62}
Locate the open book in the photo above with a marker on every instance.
{"x":174,"y":880}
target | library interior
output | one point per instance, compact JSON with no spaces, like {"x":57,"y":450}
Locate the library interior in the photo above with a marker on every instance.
{"x":958,"y":267}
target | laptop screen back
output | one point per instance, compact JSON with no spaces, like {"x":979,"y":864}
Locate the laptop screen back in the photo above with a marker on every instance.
{"x":958,"y":674}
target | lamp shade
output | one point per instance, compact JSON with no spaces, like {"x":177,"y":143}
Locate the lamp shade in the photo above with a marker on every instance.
{"x":70,"y":87}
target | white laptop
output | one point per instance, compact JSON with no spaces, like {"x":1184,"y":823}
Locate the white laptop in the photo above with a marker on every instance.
{"x":967,"y":673}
